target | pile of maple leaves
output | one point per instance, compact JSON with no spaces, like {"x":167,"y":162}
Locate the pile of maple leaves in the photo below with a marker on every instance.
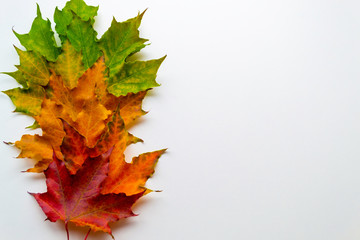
{"x":84,"y":96}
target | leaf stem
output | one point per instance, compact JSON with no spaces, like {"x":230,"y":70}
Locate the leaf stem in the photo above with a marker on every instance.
{"x":87,"y":234}
{"x":67,"y":231}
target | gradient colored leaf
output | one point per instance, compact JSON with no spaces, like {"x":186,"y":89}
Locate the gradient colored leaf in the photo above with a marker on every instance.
{"x":40,"y":38}
{"x":27,"y":101}
{"x":77,"y":198}
{"x":69,"y":65}
{"x":119,"y":41}
{"x":135,"y":77}
{"x":33,"y":67}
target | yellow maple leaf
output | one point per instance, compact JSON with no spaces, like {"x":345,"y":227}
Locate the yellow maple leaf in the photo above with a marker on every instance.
{"x":51,"y":125}
{"x":38,"y":148}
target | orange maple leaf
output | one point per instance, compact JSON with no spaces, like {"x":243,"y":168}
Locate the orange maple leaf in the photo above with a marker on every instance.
{"x":130,"y":178}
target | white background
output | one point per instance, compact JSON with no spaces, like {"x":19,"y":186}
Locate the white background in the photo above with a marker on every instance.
{"x":259,"y":107}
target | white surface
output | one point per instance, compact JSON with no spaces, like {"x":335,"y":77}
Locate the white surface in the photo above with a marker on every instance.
{"x":259,"y":107}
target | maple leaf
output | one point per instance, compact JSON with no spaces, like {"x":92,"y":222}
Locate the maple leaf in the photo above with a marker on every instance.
{"x":77,"y":198}
{"x":40,"y":38}
{"x":27,"y":101}
{"x":130,"y":178}
{"x":80,"y":8}
{"x":33,"y":67}
{"x":64,"y":17}
{"x":135,"y":77}
{"x":83,"y":37}
{"x":121,"y":40}
{"x":69,"y":65}
{"x":38,"y":148}
{"x":51,"y":125}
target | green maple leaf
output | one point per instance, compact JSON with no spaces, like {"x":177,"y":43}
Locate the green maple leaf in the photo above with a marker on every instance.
{"x":135,"y":77}
{"x":40,"y":38}
{"x":80,"y":8}
{"x":83,"y":38}
{"x":62,"y":20}
{"x":119,"y":41}
{"x":64,"y":17}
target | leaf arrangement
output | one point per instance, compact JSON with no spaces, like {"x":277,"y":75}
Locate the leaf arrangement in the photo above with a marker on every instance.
{"x":84,"y":95}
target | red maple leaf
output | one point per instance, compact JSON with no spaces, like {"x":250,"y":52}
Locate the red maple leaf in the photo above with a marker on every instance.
{"x":77,"y":198}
